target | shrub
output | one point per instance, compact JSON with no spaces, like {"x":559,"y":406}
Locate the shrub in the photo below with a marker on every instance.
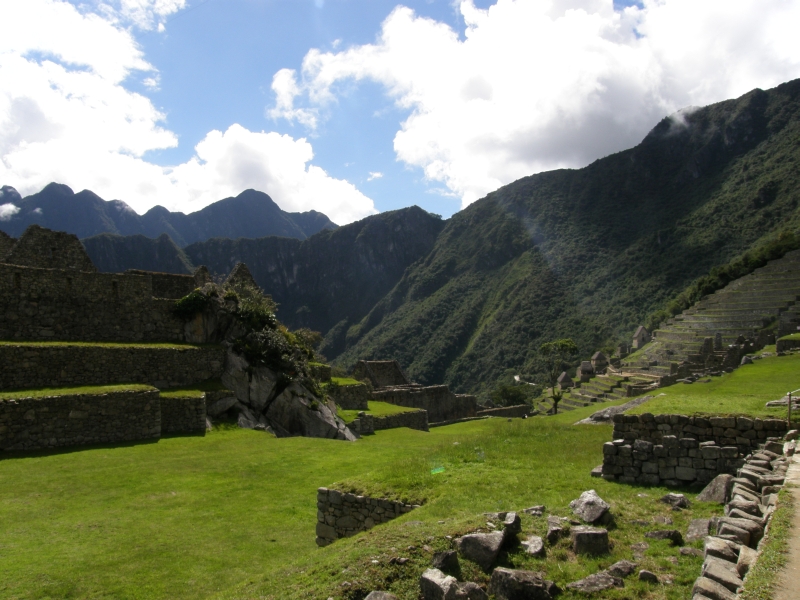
{"x":191,"y":304}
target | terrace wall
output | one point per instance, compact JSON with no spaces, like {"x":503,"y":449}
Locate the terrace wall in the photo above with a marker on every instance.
{"x":350,"y":397}
{"x":183,"y":415}
{"x":520,"y":411}
{"x":438,"y":400}
{"x":27,"y":366}
{"x":413,"y":419}
{"x":74,"y":420}
{"x":340,"y":514}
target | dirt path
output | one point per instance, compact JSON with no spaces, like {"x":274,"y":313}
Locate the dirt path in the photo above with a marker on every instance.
{"x":788,"y":587}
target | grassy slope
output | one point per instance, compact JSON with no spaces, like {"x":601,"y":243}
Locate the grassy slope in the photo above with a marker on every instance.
{"x":589,"y":253}
{"x":743,"y":392}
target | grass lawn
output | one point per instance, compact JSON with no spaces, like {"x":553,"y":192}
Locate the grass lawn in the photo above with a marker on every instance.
{"x":193,"y":391}
{"x":743,"y":392}
{"x":87,"y":389}
{"x":791,"y":336}
{"x":377,"y":409}
{"x":345,"y":381}
{"x":232,"y":514}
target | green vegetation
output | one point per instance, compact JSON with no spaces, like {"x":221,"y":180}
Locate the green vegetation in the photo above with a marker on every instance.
{"x":191,"y":304}
{"x":791,"y":336}
{"x":377,"y":409}
{"x":743,"y":392}
{"x":557,"y":356}
{"x":345,"y":381}
{"x":761,"y":580}
{"x":193,"y":391}
{"x":587,"y":254}
{"x":69,"y":391}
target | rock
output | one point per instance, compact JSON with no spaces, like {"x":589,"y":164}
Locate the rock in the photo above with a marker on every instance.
{"x":698,"y":529}
{"x":747,"y":558}
{"x":590,"y":507}
{"x":481,"y":548}
{"x":220,"y":406}
{"x":662,"y":520}
{"x":470,"y":591}
{"x":298,"y":412}
{"x":555,"y":530}
{"x":435,"y":585}
{"x":513,"y":584}
{"x":597,"y":471}
{"x":746,"y":360}
{"x":262,"y":387}
{"x":775,"y":447}
{"x":723,"y":575}
{"x":512,"y":525}
{"x":648,"y":576}
{"x":589,"y":540}
{"x":672,"y":535}
{"x":791,"y":435}
{"x":446,"y":561}
{"x":716,"y":547}
{"x":639,"y":548}
{"x":598,"y":582}
{"x":686,"y":551}
{"x":534,"y":511}
{"x":622,"y":568}
{"x":380,"y":596}
{"x":712,"y":590}
{"x":675,"y":500}
{"x":755,"y":530}
{"x":534,"y":546}
{"x":236,"y":376}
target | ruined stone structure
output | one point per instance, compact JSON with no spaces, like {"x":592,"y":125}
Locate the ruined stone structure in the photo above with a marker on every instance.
{"x":640,"y":337}
{"x":340,"y":514}
{"x":391,"y":385}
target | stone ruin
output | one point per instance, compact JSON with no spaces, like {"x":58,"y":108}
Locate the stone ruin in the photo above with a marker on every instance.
{"x":51,"y":291}
{"x":390,"y":384}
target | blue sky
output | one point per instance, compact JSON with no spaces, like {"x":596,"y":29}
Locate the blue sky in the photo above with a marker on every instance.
{"x":356,"y":106}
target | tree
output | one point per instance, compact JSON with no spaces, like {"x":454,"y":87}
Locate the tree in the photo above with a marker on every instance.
{"x":556,"y":355}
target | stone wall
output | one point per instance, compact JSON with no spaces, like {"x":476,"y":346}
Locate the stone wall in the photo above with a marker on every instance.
{"x":183,"y":415}
{"x":380,"y":373}
{"x":168,"y":285}
{"x":350,"y":397}
{"x":54,"y":304}
{"x":342,"y":515}
{"x":40,"y":247}
{"x":523,"y":410}
{"x":743,"y":432}
{"x":28,"y":366}
{"x":438,"y":400}
{"x":413,"y":419}
{"x":75,"y":420}
{"x":320,"y":372}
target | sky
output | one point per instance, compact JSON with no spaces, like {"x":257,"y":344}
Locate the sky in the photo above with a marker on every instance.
{"x":352,"y":107}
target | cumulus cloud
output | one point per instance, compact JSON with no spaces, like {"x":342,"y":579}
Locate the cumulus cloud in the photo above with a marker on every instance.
{"x":374,"y":175}
{"x":535,"y":85}
{"x":8,"y":210}
{"x":66,"y":116}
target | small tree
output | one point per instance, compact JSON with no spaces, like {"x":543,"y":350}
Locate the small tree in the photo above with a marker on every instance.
{"x":556,"y":354}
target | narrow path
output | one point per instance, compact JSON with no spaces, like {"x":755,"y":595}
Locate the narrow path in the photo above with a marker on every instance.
{"x":789,"y":577}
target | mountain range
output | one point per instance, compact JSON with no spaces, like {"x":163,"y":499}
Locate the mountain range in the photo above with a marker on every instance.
{"x":250,"y":214}
{"x":582,"y":253}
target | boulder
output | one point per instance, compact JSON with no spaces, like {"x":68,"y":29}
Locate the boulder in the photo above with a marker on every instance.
{"x":672,"y":535}
{"x":513,"y":584}
{"x":236,"y":376}
{"x":622,"y":568}
{"x":648,"y":576}
{"x":675,"y":500}
{"x":598,"y":582}
{"x":262,"y":387}
{"x":698,"y":529}
{"x":512,"y":525}
{"x":380,"y":596}
{"x":446,"y":561}
{"x":220,"y":406}
{"x":534,"y":545}
{"x":589,"y":540}
{"x":481,"y":548}
{"x":555,"y":530}
{"x":590,"y":507}
{"x":435,"y":585}
{"x":299,"y":412}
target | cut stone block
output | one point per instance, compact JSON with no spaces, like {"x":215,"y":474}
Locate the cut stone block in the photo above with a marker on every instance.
{"x":514,"y":584}
{"x":589,"y":540}
{"x":481,"y":548}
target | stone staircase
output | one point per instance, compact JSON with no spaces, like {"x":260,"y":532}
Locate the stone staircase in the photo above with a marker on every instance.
{"x":744,"y":307}
{"x":602,"y":388}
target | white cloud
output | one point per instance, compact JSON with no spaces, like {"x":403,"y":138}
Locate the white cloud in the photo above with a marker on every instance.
{"x":66,"y":116}
{"x":539,"y":84}
{"x":7,"y":211}
{"x":374,"y":175}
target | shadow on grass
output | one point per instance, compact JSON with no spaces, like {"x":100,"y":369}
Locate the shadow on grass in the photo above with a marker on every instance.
{"x":11,"y":454}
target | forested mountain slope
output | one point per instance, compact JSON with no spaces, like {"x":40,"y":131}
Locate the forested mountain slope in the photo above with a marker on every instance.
{"x":588,"y":253}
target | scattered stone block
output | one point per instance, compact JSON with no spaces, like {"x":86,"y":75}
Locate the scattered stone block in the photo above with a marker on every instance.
{"x":446,"y":561}
{"x":534,"y":511}
{"x":718,"y":490}
{"x":555,"y":530}
{"x":698,"y":529}
{"x":639,"y":549}
{"x":515,"y":584}
{"x":590,"y":507}
{"x":687,"y":551}
{"x":622,"y":568}
{"x":481,"y":548}
{"x":380,"y":596}
{"x":435,"y":585}
{"x":675,"y":500}
{"x":648,"y":576}
{"x":589,"y":540}
{"x":534,"y":546}
{"x":597,"y":582}
{"x":512,"y":525}
{"x":673,"y":535}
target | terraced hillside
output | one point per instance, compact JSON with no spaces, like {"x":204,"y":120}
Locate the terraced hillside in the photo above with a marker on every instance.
{"x":744,"y":307}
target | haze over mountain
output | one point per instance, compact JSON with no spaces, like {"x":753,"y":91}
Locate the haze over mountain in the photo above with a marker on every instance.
{"x":584,"y":253}
{"x":251,"y":214}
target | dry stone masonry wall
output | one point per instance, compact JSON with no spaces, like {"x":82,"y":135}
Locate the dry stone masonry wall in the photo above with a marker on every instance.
{"x":350,"y":397}
{"x":183,"y":415}
{"x":438,"y":400}
{"x":340,"y":514}
{"x":36,"y":366}
{"x":413,"y":419}
{"x":76,"y":420}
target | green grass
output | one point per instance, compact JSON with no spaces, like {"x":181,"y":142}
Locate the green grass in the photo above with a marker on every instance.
{"x":68,"y":391}
{"x":345,"y":381}
{"x":760,"y":582}
{"x":743,"y":392}
{"x":57,"y":344}
{"x":232,"y":514}
{"x":377,"y":409}
{"x":791,"y":336}
{"x":194,"y":391}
